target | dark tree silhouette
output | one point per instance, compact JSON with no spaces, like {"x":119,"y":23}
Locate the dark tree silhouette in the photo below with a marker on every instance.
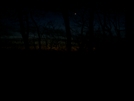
{"x":65,"y":14}
{"x":38,"y":31}
{"x":129,"y":18}
{"x":90,"y":33}
{"x":67,"y":27}
{"x":24,"y":30}
{"x":80,"y":20}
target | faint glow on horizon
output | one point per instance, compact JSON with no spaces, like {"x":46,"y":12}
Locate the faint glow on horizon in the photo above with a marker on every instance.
{"x":74,"y":13}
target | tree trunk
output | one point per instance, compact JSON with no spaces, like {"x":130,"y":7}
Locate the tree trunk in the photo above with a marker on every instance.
{"x":67,"y":27}
{"x":90,"y":33}
{"x":129,"y":24}
{"x":38,"y":32}
{"x":22,"y":31}
{"x":82,"y":37}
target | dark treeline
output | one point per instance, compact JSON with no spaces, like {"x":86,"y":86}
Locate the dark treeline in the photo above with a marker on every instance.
{"x":109,"y":17}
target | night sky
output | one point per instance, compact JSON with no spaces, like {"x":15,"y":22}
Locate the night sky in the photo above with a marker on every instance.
{"x":46,"y":17}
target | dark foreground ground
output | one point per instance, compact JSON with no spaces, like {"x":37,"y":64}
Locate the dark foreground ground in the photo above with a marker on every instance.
{"x":41,"y":60}
{"x":24,"y":74}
